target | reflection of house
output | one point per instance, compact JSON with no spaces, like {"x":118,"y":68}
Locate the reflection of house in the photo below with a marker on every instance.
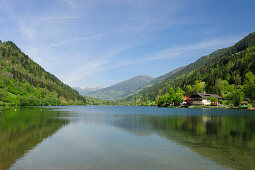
{"x":206,"y":119}
{"x":199,"y":99}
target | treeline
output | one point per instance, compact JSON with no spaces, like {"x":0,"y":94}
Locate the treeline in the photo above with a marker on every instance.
{"x":233,"y":94}
{"x":228,"y":72}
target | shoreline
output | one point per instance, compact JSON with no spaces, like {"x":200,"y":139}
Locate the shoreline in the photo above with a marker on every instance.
{"x":189,"y":107}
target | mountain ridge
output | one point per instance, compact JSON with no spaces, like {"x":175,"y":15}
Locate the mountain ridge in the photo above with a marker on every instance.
{"x":162,"y":87}
{"x":121,"y":89}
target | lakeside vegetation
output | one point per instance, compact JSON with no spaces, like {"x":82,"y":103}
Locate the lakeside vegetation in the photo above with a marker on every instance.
{"x":227,"y":72}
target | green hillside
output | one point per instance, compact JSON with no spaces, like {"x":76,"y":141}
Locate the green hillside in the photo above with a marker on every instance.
{"x":24,"y":82}
{"x":228,"y":65}
{"x":122,"y":89}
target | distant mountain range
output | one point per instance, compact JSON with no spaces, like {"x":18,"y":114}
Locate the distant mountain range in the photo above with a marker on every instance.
{"x":122,"y":89}
{"x":127,"y":87}
{"x":86,"y":90}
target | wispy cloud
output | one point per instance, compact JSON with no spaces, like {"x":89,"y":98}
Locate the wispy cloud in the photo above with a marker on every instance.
{"x":182,"y":51}
{"x":70,"y":2}
{"x":67,"y":41}
{"x":64,"y":42}
{"x":104,"y":63}
{"x":91,"y":67}
{"x":59,"y":18}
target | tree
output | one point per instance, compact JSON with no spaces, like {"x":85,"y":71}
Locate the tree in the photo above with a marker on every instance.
{"x":249,"y":85}
{"x":2,"y":94}
{"x":213,"y":99}
{"x":237,"y":97}
{"x":228,"y":77}
{"x":188,"y":89}
{"x":178,"y":99}
{"x":198,"y":86}
{"x":221,"y":87}
{"x":237,"y":79}
{"x":171,"y":96}
{"x":162,"y":101}
{"x":167,"y":99}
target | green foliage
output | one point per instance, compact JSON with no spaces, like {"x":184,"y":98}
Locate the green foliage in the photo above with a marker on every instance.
{"x":212,"y":99}
{"x":237,"y":96}
{"x":178,"y":98}
{"x":171,"y":98}
{"x":198,"y":86}
{"x":249,"y":85}
{"x":188,"y":89}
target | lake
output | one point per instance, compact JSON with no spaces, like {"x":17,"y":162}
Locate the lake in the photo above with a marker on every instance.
{"x":126,"y":137}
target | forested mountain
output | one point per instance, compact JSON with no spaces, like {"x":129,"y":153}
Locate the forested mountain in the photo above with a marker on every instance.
{"x":24,"y":82}
{"x":228,"y":64}
{"x":122,"y":89}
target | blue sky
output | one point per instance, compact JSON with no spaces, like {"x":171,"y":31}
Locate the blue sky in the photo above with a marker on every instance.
{"x":88,"y":43}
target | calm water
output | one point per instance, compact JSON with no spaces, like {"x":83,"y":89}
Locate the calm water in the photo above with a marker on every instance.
{"x":119,"y":137}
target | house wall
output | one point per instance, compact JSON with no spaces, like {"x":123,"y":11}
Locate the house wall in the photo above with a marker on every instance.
{"x":206,"y":102}
{"x":201,"y":102}
{"x":197,"y":102}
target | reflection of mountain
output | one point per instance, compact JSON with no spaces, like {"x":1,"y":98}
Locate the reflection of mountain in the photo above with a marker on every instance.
{"x":228,"y":140}
{"x":133,"y":125}
{"x":22,"y":130}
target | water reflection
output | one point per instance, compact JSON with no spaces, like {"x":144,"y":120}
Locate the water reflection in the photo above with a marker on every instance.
{"x":228,"y":140}
{"x":22,"y":129}
{"x":96,"y":137}
{"x":225,"y":136}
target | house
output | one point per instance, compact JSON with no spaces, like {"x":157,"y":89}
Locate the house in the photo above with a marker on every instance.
{"x":201,"y":99}
{"x":187,"y":100}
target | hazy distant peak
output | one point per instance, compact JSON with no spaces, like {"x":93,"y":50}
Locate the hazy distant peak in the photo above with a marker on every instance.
{"x":85,"y":90}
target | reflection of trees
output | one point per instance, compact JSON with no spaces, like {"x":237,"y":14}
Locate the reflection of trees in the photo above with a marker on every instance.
{"x":22,"y":130}
{"x":228,"y":140}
